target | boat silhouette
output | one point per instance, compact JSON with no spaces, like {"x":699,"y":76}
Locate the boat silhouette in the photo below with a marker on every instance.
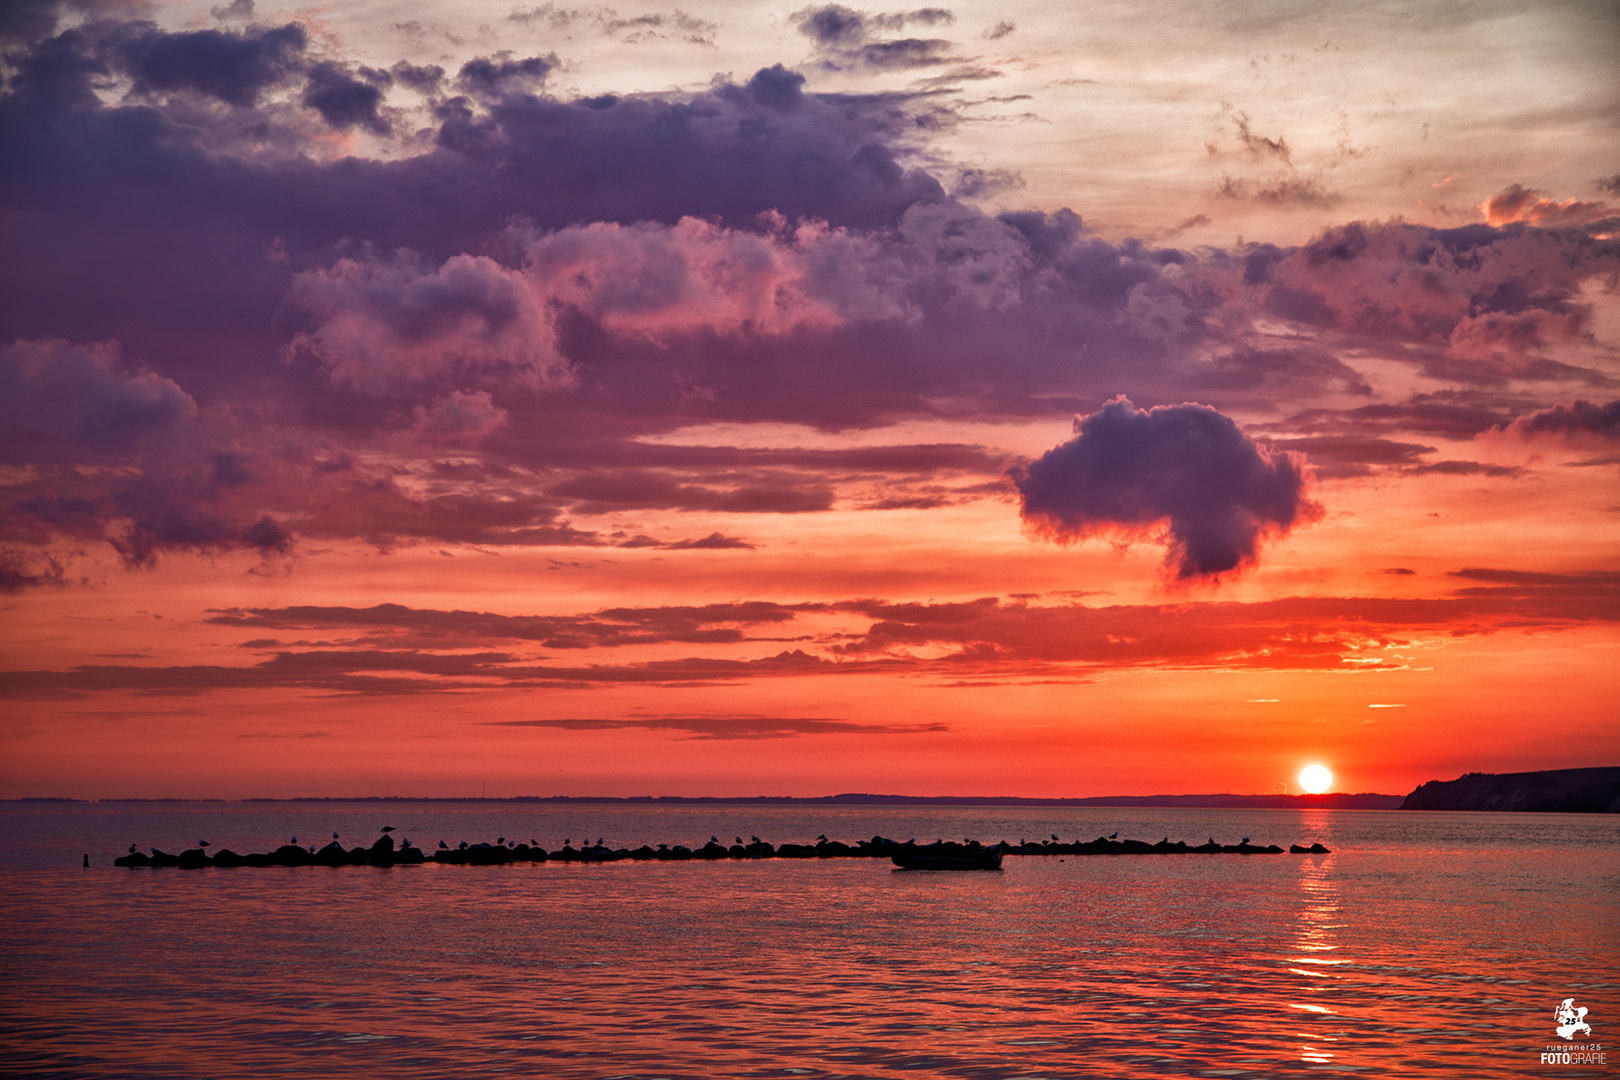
{"x":951,"y":858}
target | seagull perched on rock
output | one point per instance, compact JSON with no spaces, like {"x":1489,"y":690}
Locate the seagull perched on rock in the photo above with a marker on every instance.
{"x":387,"y":828}
{"x":1245,"y":840}
{"x":444,"y":845}
{"x":1113,"y":836}
{"x":132,"y":849}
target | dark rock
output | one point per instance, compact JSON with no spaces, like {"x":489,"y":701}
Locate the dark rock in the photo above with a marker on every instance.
{"x":290,"y":855}
{"x":193,"y":859}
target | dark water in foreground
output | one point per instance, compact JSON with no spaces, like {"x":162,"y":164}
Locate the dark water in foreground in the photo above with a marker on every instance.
{"x":1426,"y":944}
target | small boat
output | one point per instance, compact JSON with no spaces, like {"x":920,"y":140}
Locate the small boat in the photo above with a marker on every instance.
{"x":982,"y":859}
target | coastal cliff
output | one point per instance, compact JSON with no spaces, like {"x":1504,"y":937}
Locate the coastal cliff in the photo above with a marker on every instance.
{"x":1569,"y":791}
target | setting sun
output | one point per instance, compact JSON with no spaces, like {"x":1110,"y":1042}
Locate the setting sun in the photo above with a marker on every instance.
{"x":1315,"y":779}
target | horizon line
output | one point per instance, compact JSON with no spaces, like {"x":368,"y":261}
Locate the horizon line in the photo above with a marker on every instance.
{"x":845,"y":798}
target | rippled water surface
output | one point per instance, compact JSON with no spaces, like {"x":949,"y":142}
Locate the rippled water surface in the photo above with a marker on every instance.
{"x":1425,"y":945}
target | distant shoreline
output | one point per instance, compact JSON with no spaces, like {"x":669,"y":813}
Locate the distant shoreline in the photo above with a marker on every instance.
{"x":1585,"y":790}
{"x":1331,"y":801}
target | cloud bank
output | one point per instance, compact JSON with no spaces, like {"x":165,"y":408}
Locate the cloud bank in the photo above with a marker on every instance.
{"x":261,"y":294}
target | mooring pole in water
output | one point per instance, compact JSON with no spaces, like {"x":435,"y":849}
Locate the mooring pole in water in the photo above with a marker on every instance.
{"x":87,"y":860}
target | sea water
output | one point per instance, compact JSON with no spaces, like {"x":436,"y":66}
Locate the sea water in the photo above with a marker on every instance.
{"x":1425,"y":944}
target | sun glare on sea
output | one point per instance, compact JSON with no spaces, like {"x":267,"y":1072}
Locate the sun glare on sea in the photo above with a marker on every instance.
{"x":1315,"y":779}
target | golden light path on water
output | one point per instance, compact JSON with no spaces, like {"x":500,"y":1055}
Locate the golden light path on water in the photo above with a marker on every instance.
{"x":1425,"y":944}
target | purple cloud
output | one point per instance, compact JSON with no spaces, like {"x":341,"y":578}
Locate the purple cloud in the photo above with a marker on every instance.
{"x":236,"y":68}
{"x":1578,"y":418}
{"x":65,"y":402}
{"x":1184,"y":466}
{"x":614,"y":268}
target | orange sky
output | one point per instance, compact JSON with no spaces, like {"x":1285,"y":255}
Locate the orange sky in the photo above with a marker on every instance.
{"x":924,"y":407}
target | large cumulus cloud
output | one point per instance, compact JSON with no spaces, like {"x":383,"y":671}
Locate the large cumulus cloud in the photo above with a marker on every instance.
{"x":1187,"y":468}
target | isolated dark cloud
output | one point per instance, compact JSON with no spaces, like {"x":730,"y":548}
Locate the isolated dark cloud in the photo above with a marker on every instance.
{"x":840,"y":26}
{"x":847,"y":38}
{"x":343,"y":100}
{"x":1578,"y":418}
{"x":492,"y":80}
{"x":1185,"y":466}
{"x":235,"y":67}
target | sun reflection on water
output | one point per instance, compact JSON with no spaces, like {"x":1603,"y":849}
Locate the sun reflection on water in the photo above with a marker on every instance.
{"x":1317,"y":919}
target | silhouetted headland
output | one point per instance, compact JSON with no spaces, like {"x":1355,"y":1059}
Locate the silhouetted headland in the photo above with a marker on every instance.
{"x":384,"y":853}
{"x":1563,"y":791}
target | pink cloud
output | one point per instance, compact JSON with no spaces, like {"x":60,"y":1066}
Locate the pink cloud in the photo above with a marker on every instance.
{"x":1516,"y":203}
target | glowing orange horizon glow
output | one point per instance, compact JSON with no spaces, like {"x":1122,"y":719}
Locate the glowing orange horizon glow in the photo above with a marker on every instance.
{"x":753,"y":438}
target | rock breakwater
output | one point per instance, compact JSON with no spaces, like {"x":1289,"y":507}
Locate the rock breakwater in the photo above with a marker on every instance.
{"x":384,"y":852}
